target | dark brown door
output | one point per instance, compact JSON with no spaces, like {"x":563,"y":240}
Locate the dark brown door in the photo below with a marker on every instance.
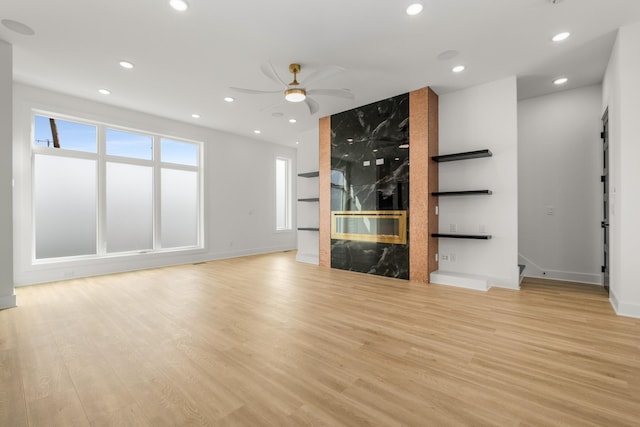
{"x":605,"y":199}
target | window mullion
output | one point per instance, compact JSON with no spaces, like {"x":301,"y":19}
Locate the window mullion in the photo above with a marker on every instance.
{"x":157,"y":170}
{"x":102,"y":192}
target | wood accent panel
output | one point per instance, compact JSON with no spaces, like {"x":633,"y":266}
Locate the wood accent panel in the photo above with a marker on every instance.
{"x":423,"y":179}
{"x":266,"y":340}
{"x":325,"y":191}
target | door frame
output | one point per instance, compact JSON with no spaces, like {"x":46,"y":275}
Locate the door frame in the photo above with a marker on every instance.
{"x":605,"y":223}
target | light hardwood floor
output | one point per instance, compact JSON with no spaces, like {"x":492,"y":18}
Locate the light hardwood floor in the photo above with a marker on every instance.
{"x":264,"y":340}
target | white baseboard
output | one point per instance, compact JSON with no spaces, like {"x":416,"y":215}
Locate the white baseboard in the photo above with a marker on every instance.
{"x":538,"y":272}
{"x":623,"y":309}
{"x":8,"y":301}
{"x":460,"y":280}
{"x":99,"y":266}
{"x":308,"y":258}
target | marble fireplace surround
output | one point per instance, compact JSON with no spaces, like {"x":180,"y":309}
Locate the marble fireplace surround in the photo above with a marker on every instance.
{"x":386,"y":253}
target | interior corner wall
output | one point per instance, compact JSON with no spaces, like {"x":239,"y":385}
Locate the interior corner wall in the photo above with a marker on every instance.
{"x":238,"y":190}
{"x":559,"y":190}
{"x":308,"y":212}
{"x":481,"y":117}
{"x":621,"y":95}
{"x":7,"y":295}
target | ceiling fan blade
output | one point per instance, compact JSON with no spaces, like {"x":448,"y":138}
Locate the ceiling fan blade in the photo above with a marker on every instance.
{"x":268,"y":107}
{"x":254,"y":92}
{"x":270,"y":72}
{"x":322,"y":73}
{"x":340,"y":93}
{"x":313,"y":105}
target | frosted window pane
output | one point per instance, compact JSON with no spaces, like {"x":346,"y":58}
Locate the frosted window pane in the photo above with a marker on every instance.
{"x":182,"y":153}
{"x":127,"y":144}
{"x":65,"y":206}
{"x":281,"y":194}
{"x":179,"y":208}
{"x":71,"y":135}
{"x":129,"y":207}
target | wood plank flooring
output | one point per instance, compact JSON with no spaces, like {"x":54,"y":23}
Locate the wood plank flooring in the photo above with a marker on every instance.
{"x":266,"y":341}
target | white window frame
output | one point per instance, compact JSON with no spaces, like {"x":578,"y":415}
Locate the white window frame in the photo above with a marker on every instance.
{"x":288,"y":194}
{"x":102,"y":159}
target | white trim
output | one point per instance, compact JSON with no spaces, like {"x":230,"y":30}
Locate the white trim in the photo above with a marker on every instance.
{"x":8,"y":302}
{"x":622,"y":308}
{"x":460,"y":280}
{"x":535,"y":271}
{"x":308,"y":258}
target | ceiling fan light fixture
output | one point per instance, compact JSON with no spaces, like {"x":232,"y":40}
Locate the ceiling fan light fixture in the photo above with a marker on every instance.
{"x":295,"y":95}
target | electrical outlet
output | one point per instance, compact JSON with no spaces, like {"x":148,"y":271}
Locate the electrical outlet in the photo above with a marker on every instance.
{"x":444,"y":258}
{"x":550,"y":210}
{"x":453,"y":228}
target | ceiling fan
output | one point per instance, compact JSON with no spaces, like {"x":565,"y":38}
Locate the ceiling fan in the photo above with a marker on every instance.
{"x":294,"y":91}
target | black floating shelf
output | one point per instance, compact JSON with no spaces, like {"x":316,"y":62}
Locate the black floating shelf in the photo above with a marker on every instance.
{"x":463,"y":236}
{"x":310,"y":199}
{"x":462,"y":156}
{"x":309,"y":174}
{"x":462,"y":193}
{"x":308,"y":229}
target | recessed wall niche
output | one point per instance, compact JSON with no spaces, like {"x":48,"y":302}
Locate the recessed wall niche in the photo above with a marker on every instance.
{"x":370,"y":188}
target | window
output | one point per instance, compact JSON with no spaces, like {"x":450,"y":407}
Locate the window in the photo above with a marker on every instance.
{"x":62,"y":134}
{"x":127,"y":144}
{"x":283,"y":194}
{"x":99,"y":190}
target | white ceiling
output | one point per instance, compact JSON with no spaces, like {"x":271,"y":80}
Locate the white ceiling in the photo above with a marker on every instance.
{"x":186,"y":62}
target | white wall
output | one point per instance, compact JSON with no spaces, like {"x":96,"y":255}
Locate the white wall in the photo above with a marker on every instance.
{"x":7,"y":296}
{"x":239,"y":190}
{"x":308,"y":213}
{"x":560,"y":194}
{"x":481,"y":117}
{"x":621,"y":94}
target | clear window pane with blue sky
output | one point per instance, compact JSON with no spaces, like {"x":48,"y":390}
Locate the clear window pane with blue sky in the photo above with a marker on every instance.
{"x":178,"y":152}
{"x":71,"y":135}
{"x":128,"y":144}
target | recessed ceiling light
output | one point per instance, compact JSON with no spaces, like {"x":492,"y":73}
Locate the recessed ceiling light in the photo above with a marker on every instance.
{"x":292,"y":120}
{"x":414,"y":9}
{"x":104,"y":91}
{"x":195,"y":116}
{"x":561,"y":36}
{"x":256,"y":131}
{"x":458,"y":69}
{"x":179,"y":5}
{"x":126,"y":64}
{"x":448,"y":54}
{"x":297,"y":142}
{"x":229,"y":99}
{"x":560,"y":81}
